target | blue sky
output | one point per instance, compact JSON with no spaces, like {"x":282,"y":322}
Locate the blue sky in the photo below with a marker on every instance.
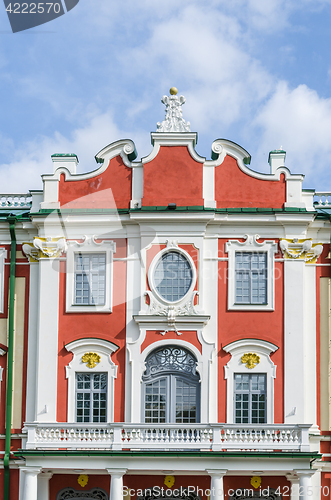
{"x":257,"y":72}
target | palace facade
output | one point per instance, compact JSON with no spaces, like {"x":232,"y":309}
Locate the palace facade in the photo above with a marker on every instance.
{"x":165,"y":327}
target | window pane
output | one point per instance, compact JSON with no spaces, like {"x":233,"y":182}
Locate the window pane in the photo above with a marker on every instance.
{"x":90,"y":279}
{"x":155,"y":400}
{"x":173,"y":276}
{"x":91,"y":397}
{"x":251,"y":277}
{"x":186,"y":401}
{"x":249,"y":398}
{"x":171,"y":386}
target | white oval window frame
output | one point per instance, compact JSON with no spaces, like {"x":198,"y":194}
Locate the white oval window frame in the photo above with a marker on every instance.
{"x":151,"y":271}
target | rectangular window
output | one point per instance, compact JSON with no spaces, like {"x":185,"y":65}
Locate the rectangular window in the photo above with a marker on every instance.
{"x":251,"y":277}
{"x":186,"y":402}
{"x":90,"y":279}
{"x":155,"y":402}
{"x":250,"y":399}
{"x":91,"y":397}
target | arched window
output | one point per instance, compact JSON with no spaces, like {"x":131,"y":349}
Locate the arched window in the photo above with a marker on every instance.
{"x":171,"y":389}
{"x":94,"y":494}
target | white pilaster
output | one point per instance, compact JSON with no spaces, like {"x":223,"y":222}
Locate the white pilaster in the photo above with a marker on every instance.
{"x":133,"y":305}
{"x":116,"y":483}
{"x":216,"y":485}
{"x":47,"y":348}
{"x":30,"y":482}
{"x":43,"y":485}
{"x":209,"y":303}
{"x":294,"y":480}
{"x":300,"y":342}
{"x":31,"y":382}
{"x":310,"y":389}
{"x":294,"y":366}
{"x":305,"y":484}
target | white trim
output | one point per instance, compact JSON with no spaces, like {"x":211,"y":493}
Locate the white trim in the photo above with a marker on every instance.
{"x":251,"y":245}
{"x":89,"y":245}
{"x":157,"y":258}
{"x":160,"y":139}
{"x":237,"y":349}
{"x":137,"y":362}
{"x":105,"y":349}
{"x":3,"y":256}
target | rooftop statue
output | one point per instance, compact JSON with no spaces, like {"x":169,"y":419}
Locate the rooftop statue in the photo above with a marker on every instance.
{"x":174,"y":121}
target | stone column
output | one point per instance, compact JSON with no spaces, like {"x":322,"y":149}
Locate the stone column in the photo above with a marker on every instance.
{"x":294,"y":480}
{"x":30,"y":482}
{"x":116,"y":483}
{"x":43,"y":485}
{"x":305,"y":485}
{"x":216,"y":483}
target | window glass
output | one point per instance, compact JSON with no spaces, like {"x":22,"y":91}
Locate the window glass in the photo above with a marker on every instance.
{"x":171,"y":386}
{"x":250,"y":398}
{"x":173,"y":276}
{"x":251,"y":278}
{"x":90,"y":279}
{"x":91,"y":397}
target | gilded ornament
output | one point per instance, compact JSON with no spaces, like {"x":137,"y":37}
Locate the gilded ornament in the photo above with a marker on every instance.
{"x":256,"y":481}
{"x":169,"y":481}
{"x":91,"y":359}
{"x":250,"y":359}
{"x":302,"y":249}
{"x":173,"y":91}
{"x":82,"y":480}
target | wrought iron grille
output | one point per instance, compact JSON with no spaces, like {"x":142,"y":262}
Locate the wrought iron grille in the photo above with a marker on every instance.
{"x":170,"y":359}
{"x":94,"y":494}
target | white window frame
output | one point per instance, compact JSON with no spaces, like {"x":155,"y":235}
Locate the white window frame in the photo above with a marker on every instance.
{"x":250,"y":393}
{"x":91,"y":393}
{"x":3,"y":256}
{"x":105,"y":349}
{"x":237,"y":349}
{"x":89,"y":246}
{"x":151,"y":272}
{"x":251,"y":245}
{"x":171,"y":393}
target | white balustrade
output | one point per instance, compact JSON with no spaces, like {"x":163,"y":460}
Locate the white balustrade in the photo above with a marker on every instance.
{"x":15,"y":200}
{"x":214,"y":437}
{"x":322,"y":199}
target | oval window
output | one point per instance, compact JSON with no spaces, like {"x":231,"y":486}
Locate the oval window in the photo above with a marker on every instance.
{"x":172,"y":276}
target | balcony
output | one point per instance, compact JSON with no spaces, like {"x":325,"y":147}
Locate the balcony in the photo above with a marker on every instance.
{"x":164,"y":437}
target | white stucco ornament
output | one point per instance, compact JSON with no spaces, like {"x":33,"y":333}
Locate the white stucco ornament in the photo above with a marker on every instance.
{"x":173,"y":121}
{"x":303,"y":249}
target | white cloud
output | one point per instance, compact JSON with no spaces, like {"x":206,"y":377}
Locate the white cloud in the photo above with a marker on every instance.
{"x":33,"y":159}
{"x":299,"y":120}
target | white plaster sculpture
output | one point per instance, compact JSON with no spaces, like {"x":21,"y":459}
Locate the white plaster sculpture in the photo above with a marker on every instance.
{"x":174,"y":121}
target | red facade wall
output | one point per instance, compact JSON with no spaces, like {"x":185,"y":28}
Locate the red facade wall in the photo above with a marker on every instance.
{"x":264,"y":325}
{"x":107,"y":326}
{"x":234,"y":188}
{"x":173,"y":177}
{"x":111,"y":189}
{"x":60,"y":481}
{"x":13,"y":483}
{"x":154,"y":336}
